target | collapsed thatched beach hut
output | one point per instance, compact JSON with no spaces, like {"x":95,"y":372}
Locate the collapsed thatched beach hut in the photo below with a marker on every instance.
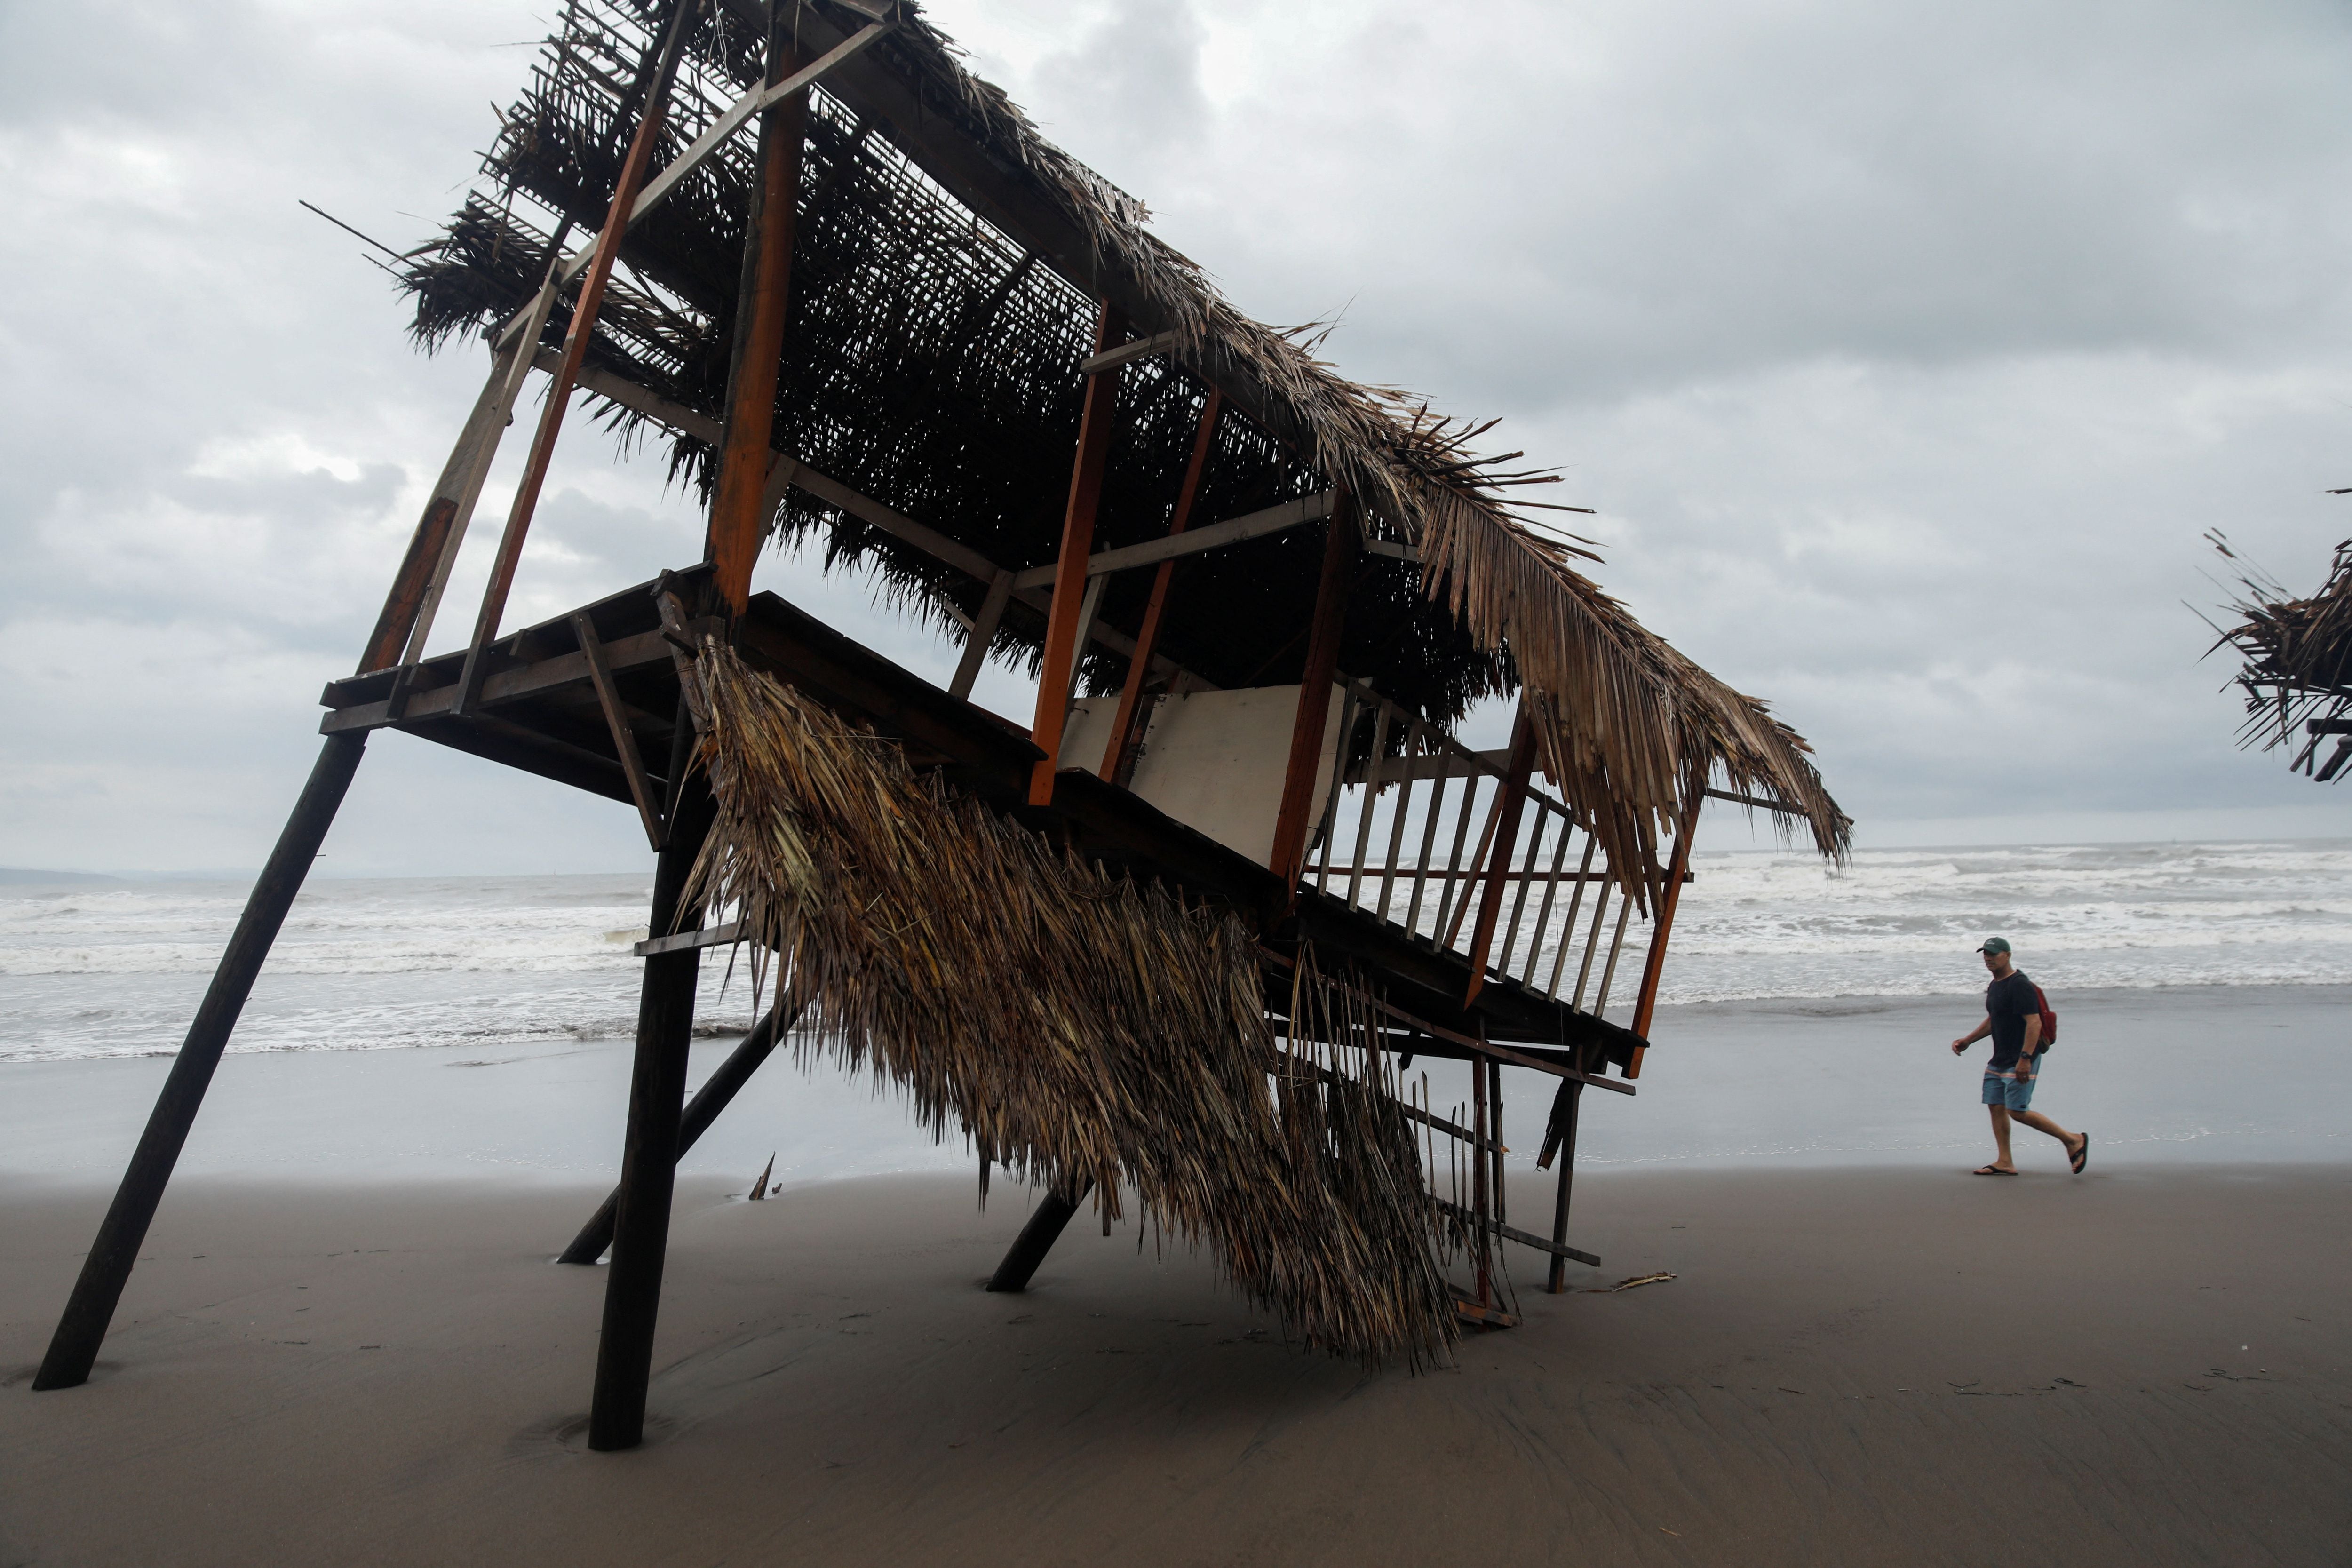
{"x":2296,"y":668}
{"x":1166,"y":939}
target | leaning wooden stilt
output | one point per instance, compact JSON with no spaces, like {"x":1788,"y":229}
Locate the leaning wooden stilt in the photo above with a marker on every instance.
{"x":74,"y":1347}
{"x":1045,"y":1225}
{"x":712,"y":1098}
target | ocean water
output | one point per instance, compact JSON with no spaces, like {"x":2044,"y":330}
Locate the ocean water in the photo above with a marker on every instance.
{"x":1905,"y":922}
{"x":115,"y":970}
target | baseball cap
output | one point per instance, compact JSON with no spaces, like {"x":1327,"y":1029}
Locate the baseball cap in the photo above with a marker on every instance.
{"x":1995,"y":944}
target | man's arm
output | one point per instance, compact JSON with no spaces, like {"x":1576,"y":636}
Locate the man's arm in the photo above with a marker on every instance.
{"x":2025,"y":1057}
{"x":1979,"y":1033}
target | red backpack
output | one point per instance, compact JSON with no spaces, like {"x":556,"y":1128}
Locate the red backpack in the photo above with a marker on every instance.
{"x":2049,"y":1020}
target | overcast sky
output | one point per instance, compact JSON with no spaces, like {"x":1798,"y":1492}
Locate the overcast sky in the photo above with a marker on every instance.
{"x":1906,"y":350}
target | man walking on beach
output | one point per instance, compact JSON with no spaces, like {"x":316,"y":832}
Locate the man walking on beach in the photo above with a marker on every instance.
{"x":2013,"y":1019}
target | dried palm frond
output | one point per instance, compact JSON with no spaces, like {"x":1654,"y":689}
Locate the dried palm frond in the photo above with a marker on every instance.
{"x":1078,"y":1026}
{"x":2297,"y":653}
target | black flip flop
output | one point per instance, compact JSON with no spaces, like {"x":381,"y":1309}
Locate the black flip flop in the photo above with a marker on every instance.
{"x":1991,"y":1170}
{"x":2081,"y":1157}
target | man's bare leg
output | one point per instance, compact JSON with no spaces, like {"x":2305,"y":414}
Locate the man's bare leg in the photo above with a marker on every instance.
{"x":2004,"y":1161}
{"x":2041,"y":1123}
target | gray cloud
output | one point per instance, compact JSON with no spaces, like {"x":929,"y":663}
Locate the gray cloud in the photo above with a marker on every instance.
{"x":1906,"y":349}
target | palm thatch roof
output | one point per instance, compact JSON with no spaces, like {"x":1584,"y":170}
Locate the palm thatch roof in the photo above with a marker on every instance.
{"x":2297,"y":650}
{"x":1083,"y":1028}
{"x":949,"y":268}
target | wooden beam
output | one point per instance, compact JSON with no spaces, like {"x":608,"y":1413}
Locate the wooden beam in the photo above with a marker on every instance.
{"x":1089,"y":607}
{"x":1126,"y":353}
{"x":1557,"y":1249}
{"x":1469,"y":1046}
{"x":468,"y":466}
{"x":762,"y":301}
{"x":930,"y":541}
{"x":776,"y":92}
{"x":1096,"y":427}
{"x":1291,"y":822}
{"x":644,"y":400}
{"x":984,"y":633}
{"x":1289,"y":514}
{"x":865,"y":507}
{"x":727,"y":935}
{"x":1755,"y":802}
{"x":1446,"y":765}
{"x":507,"y":685}
{"x":624,"y":739}
{"x":1118,"y":761}
{"x":401,"y":605}
{"x":575,"y":348}
{"x":1509,"y":805}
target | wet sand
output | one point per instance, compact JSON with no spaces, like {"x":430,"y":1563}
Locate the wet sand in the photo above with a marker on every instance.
{"x":2146,"y":1365}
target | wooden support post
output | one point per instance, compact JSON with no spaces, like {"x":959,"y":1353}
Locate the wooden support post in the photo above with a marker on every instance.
{"x":1095,"y":429}
{"x":650,"y":1157}
{"x":737,"y":523}
{"x":107,"y":1267}
{"x":1341,"y":546}
{"x":712,"y":1098}
{"x":575,"y":350}
{"x":1559,"y":1142}
{"x":1495,"y":1138}
{"x":1654,"y":966}
{"x":1480,"y":1205}
{"x":1036,"y":1238}
{"x":1119,"y":756}
{"x":1508,"y":805}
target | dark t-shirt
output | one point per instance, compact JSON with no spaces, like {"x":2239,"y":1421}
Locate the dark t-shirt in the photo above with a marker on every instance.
{"x":2009,"y":1002}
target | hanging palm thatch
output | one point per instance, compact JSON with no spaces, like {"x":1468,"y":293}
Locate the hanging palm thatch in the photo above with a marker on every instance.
{"x":931,"y":363}
{"x":1079,"y":1027}
{"x":2297,"y":654}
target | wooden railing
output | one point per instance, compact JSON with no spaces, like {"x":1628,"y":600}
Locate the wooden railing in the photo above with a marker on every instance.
{"x":1407,"y":836}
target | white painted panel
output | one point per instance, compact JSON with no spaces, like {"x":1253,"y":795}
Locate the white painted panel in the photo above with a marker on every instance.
{"x":1213,"y":759}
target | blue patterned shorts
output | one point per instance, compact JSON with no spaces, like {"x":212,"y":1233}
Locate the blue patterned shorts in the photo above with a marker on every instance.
{"x":1999,"y":1089}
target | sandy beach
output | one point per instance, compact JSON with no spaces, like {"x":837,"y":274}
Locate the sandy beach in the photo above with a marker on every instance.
{"x":346,"y":1343}
{"x":2145,"y":1365}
